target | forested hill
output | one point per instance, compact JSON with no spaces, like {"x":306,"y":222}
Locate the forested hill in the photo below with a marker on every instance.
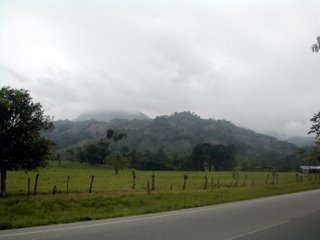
{"x":107,"y":116}
{"x":177,"y":135}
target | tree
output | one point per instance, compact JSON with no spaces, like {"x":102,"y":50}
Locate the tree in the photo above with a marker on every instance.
{"x":316,"y":47}
{"x":218,"y":156}
{"x":125,"y":151}
{"x":117,"y":159}
{"x":80,"y":154}
{"x":201,"y":156}
{"x":230,"y":160}
{"x":22,"y":123}
{"x":111,"y":134}
{"x":96,"y":152}
{"x":218,"y":153}
{"x":69,"y":154}
{"x":315,"y":129}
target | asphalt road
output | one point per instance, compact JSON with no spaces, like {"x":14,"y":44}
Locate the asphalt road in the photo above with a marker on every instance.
{"x":291,"y":216}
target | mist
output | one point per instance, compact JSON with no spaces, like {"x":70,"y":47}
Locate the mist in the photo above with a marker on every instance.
{"x":245,"y":61}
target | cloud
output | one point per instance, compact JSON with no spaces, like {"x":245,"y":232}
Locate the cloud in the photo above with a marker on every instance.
{"x":249,"y":62}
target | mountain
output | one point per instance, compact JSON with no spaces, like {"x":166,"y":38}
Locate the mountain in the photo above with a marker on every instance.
{"x":301,"y":141}
{"x":108,"y":116}
{"x":177,"y":134}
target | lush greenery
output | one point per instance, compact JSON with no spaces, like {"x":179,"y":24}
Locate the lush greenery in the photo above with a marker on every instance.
{"x":217,"y":157}
{"x":113,"y":196}
{"x":315,"y":128}
{"x":21,"y":123}
{"x":311,"y":153}
{"x":167,"y":142}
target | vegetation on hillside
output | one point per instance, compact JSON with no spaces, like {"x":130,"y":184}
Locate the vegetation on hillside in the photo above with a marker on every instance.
{"x":109,"y":115}
{"x":167,"y":142}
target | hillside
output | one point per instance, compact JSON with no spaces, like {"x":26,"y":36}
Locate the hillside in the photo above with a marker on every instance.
{"x":107,"y":116}
{"x":301,"y":141}
{"x":177,"y":135}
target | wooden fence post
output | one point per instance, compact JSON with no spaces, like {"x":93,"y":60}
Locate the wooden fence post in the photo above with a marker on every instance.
{"x":68,"y":185}
{"x":237,"y":179}
{"x":205,"y":185}
{"x":133,"y":180}
{"x":185,"y":177}
{"x":29,"y":181}
{"x":153,"y":182}
{"x":36,"y":184}
{"x":54,"y":190}
{"x":91,"y":184}
{"x":148,"y":187}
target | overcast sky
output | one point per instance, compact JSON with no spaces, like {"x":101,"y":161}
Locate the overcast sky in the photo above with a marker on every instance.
{"x":249,"y":62}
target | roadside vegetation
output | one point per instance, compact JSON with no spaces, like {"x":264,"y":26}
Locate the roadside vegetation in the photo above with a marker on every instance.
{"x":114,"y":195}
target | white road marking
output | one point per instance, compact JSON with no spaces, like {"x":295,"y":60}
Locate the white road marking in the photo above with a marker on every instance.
{"x":258,"y":230}
{"x":173,"y":213}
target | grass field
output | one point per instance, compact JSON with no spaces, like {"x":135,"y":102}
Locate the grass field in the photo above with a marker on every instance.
{"x":112,"y":195}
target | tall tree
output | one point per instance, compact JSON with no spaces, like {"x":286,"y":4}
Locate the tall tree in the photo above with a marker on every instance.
{"x":201,"y":156}
{"x":230,"y":160}
{"x":96,"y":152}
{"x":316,"y":47}
{"x":22,"y":122}
{"x":117,"y":159}
{"x":69,"y":154}
{"x":218,"y":154}
{"x":80,"y":154}
{"x":315,"y":129}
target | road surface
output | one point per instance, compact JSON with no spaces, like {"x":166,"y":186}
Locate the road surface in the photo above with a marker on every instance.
{"x":291,"y":216}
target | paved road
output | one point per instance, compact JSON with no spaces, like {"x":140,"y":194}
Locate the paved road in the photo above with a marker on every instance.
{"x":292,"y":216}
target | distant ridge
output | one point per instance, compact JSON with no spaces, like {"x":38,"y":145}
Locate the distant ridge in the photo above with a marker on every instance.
{"x":108,"y":116}
{"x":301,"y":141}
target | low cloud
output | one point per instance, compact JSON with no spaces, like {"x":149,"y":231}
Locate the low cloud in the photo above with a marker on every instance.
{"x":249,"y":63}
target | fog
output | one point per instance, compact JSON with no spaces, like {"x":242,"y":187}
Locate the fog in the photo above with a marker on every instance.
{"x":249,"y":62}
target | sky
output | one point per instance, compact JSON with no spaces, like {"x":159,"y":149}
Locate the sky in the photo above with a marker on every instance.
{"x":249,"y":62}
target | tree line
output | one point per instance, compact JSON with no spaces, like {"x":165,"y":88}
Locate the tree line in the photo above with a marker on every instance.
{"x":203,"y":157}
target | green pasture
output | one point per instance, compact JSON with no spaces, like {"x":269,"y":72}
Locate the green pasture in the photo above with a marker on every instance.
{"x":112,"y":195}
{"x":107,"y":182}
